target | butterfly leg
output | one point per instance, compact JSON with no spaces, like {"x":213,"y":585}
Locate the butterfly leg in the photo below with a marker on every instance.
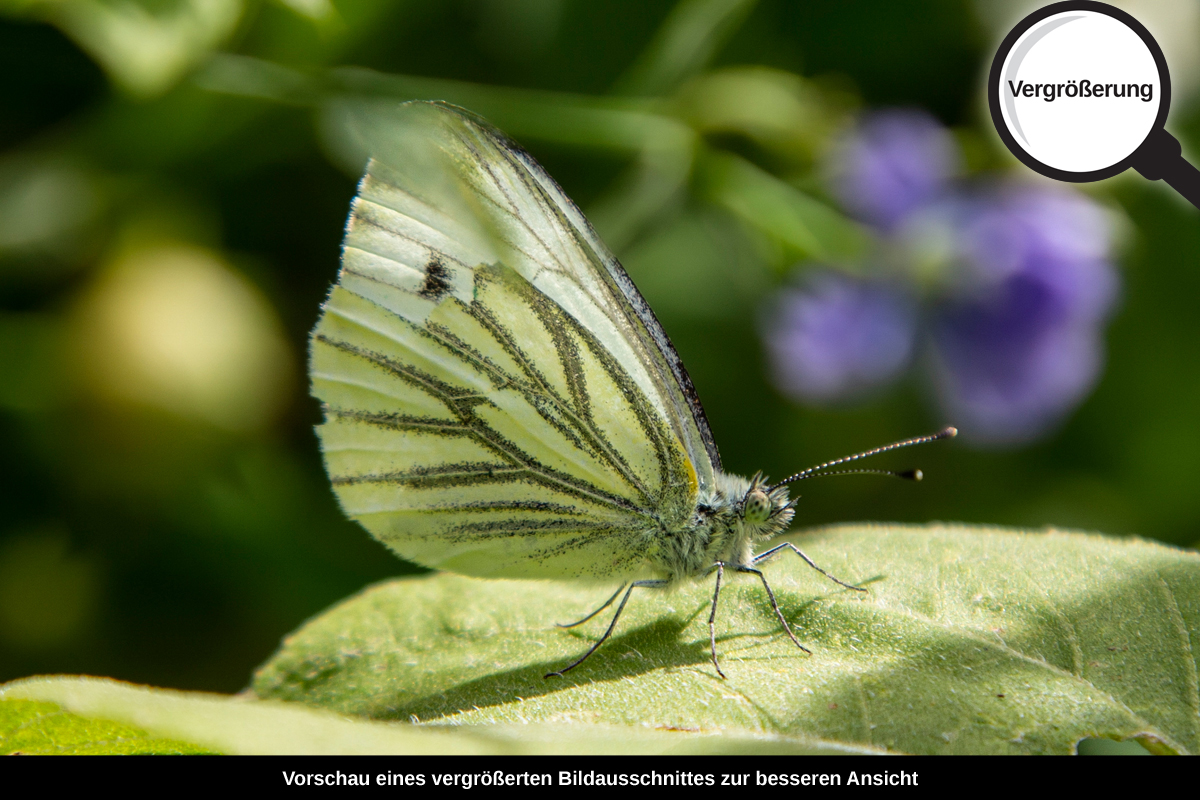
{"x":712,"y":618}
{"x":775,"y":605}
{"x":760,"y":558}
{"x":607,"y":603}
{"x":611,"y":625}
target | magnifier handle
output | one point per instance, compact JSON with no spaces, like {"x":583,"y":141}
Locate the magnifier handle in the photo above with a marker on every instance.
{"x":1161,"y":158}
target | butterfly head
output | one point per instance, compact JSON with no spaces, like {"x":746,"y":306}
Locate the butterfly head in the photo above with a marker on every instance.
{"x":765,"y":510}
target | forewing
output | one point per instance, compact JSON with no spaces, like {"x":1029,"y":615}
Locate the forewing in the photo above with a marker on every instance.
{"x":495,"y":405}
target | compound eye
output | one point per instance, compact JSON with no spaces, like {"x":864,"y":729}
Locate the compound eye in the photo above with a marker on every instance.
{"x":757,"y":507}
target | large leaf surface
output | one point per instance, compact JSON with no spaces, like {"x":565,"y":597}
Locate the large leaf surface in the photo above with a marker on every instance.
{"x":79,"y":715}
{"x":29,"y":727}
{"x":970,"y":640}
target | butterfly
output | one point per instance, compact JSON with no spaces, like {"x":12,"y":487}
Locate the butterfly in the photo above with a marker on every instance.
{"x":499,"y":399}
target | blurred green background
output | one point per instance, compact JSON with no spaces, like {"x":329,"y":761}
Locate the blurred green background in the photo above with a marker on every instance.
{"x":173,"y":186}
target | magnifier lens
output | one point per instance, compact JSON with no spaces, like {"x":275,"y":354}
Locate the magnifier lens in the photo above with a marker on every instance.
{"x":1080,"y":91}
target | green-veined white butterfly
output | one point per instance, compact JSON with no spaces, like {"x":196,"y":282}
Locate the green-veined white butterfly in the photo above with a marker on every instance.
{"x":499,"y":399}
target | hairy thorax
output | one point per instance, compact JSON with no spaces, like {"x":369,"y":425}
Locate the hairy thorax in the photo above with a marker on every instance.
{"x":724,"y":529}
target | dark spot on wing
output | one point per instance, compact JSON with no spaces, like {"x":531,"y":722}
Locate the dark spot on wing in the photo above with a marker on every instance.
{"x":437,"y":280}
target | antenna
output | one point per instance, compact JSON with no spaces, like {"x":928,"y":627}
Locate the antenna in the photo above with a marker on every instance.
{"x":818,"y":471}
{"x":908,"y":474}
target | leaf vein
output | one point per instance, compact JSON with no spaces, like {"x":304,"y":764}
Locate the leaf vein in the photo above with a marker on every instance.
{"x":1193,"y":681}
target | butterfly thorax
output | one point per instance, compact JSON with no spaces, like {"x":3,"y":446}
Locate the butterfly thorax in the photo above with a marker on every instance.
{"x":725,"y":527}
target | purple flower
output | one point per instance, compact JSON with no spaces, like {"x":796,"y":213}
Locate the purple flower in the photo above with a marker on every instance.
{"x":1010,"y":366}
{"x":895,"y":162}
{"x":1020,"y":344}
{"x":1054,"y":235}
{"x":1016,"y":280}
{"x":837,"y":337}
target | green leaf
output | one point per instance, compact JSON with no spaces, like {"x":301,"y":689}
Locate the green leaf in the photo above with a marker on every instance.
{"x":690,"y":37}
{"x":787,"y":115}
{"x":970,"y":640}
{"x":28,"y":727}
{"x":803,"y":225}
{"x":145,"y":46}
{"x":98,"y":716}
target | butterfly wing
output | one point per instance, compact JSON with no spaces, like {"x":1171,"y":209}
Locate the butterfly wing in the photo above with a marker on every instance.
{"x":500,"y":401}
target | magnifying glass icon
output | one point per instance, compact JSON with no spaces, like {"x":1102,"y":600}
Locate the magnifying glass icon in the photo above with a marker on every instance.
{"x":1079,"y":91}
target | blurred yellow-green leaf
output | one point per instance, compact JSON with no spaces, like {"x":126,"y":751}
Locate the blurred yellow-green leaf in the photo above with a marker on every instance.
{"x":144,"y":46}
{"x":806,"y":227}
{"x":47,"y":593}
{"x":174,"y":327}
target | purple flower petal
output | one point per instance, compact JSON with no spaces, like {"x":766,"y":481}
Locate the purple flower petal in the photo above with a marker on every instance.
{"x":895,"y":162}
{"x":1009,"y":368}
{"x":1019,"y":343}
{"x":1056,"y":236}
{"x":837,"y":337}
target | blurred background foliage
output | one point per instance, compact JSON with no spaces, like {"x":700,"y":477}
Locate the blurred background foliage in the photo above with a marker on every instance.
{"x":174,"y":178}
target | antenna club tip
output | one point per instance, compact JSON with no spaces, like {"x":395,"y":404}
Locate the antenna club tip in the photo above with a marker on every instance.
{"x":949,"y":432}
{"x":917,"y":475}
